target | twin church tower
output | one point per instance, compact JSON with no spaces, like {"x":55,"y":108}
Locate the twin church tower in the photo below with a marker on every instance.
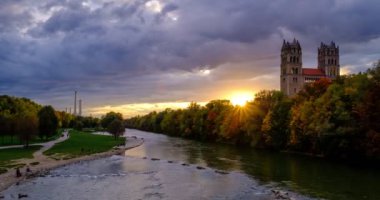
{"x":294,"y":76}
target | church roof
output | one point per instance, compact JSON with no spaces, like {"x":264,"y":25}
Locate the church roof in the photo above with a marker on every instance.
{"x":312,"y":72}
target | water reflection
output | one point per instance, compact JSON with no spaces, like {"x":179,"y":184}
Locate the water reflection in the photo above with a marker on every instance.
{"x":250,"y":174}
{"x":312,"y":176}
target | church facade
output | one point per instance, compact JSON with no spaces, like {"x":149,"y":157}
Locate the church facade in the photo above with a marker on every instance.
{"x":294,"y":76}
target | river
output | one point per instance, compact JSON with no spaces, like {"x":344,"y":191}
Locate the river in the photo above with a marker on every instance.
{"x":174,"y":168}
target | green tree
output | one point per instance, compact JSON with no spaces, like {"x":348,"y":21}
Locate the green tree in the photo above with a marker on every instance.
{"x":110,"y":117}
{"x":48,"y":122}
{"x":232,"y":126}
{"x":29,"y":127}
{"x":116,"y":128}
{"x":78,"y":124}
{"x":170,"y":123}
{"x":4,"y":124}
{"x":338,"y":118}
{"x":217,"y":111}
{"x":113,"y":123}
{"x":258,"y":111}
{"x":276,"y":123}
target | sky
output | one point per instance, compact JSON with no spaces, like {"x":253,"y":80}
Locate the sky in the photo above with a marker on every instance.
{"x":135,"y":56}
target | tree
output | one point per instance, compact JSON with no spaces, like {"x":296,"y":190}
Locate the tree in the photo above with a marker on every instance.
{"x":4,"y":124}
{"x":232,"y":126}
{"x":314,"y":90}
{"x":259,"y":116}
{"x":29,"y":127}
{"x":169,"y":123}
{"x":335,"y":118}
{"x":276,"y":124}
{"x":48,"y":122}
{"x":113,"y":123}
{"x":110,"y":117}
{"x":116,"y":128}
{"x":217,"y":110}
{"x":78,"y":124}
{"x":64,"y":119}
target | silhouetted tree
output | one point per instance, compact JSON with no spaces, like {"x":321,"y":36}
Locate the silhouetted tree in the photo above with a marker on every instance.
{"x":113,"y":123}
{"x":48,"y":122}
{"x":110,"y":117}
{"x":29,"y":127}
{"x":116,"y":128}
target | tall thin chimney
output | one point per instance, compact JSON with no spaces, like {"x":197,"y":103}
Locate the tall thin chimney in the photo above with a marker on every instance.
{"x":66,"y":110}
{"x":80,"y":107}
{"x":75,"y":102}
{"x":70,"y":110}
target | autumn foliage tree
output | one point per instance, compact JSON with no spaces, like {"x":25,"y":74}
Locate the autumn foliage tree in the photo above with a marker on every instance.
{"x":337,"y":119}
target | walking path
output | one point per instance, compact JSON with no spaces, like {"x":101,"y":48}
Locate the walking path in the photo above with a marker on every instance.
{"x":46,"y":145}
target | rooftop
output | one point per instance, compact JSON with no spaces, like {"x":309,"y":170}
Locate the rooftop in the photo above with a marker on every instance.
{"x":312,"y":72}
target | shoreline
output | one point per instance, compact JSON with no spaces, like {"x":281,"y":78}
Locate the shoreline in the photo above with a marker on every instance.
{"x":8,"y":179}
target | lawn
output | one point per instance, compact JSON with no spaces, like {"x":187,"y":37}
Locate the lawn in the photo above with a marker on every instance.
{"x":83,"y":143}
{"x":7,"y":140}
{"x":7,"y":156}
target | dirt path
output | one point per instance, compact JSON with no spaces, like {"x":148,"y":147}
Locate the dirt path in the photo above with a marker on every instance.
{"x":46,"y":145}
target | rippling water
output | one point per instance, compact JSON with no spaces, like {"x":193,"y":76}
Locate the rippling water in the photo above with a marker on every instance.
{"x":173,"y":168}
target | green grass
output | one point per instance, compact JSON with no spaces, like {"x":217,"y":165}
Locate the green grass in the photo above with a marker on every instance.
{"x":82,"y":143}
{"x":7,"y":139}
{"x":7,"y":157}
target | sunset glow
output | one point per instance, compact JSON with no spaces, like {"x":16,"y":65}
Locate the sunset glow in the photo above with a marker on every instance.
{"x":202,"y":99}
{"x":134,"y":109}
{"x":154,"y":54}
{"x":241,"y":98}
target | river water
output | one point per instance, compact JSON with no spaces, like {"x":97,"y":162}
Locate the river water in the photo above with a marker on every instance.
{"x":174,"y":168}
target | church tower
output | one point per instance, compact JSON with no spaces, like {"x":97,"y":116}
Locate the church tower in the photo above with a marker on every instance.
{"x":291,"y":67}
{"x":328,"y":60}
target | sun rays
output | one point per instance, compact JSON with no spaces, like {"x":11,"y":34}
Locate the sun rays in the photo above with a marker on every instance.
{"x":241,"y":98}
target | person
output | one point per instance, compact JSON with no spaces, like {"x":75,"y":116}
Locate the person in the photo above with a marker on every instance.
{"x":18,"y":173}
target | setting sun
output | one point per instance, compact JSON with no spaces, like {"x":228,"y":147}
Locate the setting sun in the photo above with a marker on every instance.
{"x":241,"y":98}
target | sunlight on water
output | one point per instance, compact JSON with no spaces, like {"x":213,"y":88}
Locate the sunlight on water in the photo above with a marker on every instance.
{"x":174,"y":168}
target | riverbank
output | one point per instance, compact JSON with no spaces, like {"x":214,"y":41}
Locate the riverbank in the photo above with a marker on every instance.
{"x":45,"y":163}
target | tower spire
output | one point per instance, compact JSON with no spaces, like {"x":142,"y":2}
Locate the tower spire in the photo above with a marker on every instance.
{"x":80,"y":107}
{"x":75,"y":102}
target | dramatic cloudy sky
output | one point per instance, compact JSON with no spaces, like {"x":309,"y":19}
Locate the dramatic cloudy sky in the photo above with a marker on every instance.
{"x":134,"y":56}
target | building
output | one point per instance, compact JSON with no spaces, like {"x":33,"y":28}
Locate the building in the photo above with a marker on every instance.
{"x":294,"y":76}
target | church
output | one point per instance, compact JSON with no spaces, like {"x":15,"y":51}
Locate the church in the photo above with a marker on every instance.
{"x":294,"y":76}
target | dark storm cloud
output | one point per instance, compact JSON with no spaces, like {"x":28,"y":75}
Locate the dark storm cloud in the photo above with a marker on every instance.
{"x":126,"y":49}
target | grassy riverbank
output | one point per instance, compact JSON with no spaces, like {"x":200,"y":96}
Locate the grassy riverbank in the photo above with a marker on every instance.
{"x":67,"y":150}
{"x":7,"y":156}
{"x":83,"y":143}
{"x":7,"y":140}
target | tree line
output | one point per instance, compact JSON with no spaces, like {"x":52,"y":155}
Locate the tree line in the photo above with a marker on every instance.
{"x":24,"y":120}
{"x":337,"y":119}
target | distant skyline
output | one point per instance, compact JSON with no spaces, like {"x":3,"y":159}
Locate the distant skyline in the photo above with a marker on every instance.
{"x":135,"y":56}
